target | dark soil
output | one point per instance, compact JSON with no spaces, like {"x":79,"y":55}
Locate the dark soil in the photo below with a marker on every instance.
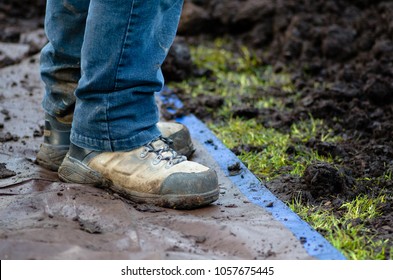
{"x":18,"y":17}
{"x":345,"y":45}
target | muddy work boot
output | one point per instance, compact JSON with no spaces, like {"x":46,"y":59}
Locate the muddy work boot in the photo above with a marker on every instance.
{"x":153,"y":174}
{"x":57,"y":140}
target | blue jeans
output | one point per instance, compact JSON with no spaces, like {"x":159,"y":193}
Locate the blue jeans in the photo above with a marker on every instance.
{"x":103,"y":65}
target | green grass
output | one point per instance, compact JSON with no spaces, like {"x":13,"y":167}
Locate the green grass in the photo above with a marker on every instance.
{"x":269,"y":162}
{"x":238,"y":76}
{"x":346,"y":232}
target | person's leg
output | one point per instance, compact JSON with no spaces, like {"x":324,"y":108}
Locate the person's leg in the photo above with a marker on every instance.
{"x":125,"y":43}
{"x":60,"y":70}
{"x":115,"y":139}
{"x":60,"y":59}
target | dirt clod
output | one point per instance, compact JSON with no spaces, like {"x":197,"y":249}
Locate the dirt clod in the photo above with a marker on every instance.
{"x":323,"y":180}
{"x":5,"y":172}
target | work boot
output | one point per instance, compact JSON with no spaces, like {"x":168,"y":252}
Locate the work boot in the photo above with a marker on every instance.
{"x":57,"y":140}
{"x":153,"y":174}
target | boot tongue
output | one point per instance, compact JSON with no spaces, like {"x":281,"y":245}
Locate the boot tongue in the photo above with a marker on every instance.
{"x":158,"y":144}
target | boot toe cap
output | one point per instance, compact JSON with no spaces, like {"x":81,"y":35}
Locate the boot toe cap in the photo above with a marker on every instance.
{"x":190,"y":183}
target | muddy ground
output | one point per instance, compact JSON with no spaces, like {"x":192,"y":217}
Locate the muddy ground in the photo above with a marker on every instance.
{"x":344,"y":45}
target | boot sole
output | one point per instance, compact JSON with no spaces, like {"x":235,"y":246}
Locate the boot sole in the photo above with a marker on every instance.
{"x":74,"y":171}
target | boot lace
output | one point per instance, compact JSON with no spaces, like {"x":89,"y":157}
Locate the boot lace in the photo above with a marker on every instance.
{"x":163,"y":152}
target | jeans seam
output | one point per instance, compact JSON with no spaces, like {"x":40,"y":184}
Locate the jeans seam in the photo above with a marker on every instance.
{"x":117,"y":72}
{"x":106,"y":120}
{"x":124,"y":41}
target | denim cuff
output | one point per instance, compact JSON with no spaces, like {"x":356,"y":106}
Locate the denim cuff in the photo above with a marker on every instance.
{"x":118,"y":145}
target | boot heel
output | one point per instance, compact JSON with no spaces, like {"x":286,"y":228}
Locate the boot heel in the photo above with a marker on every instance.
{"x":73,"y":171}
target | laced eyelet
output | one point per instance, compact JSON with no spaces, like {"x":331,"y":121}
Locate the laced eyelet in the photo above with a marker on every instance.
{"x":169,"y":164}
{"x":157,"y":159}
{"x":144,"y":153}
{"x":164,"y":152}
